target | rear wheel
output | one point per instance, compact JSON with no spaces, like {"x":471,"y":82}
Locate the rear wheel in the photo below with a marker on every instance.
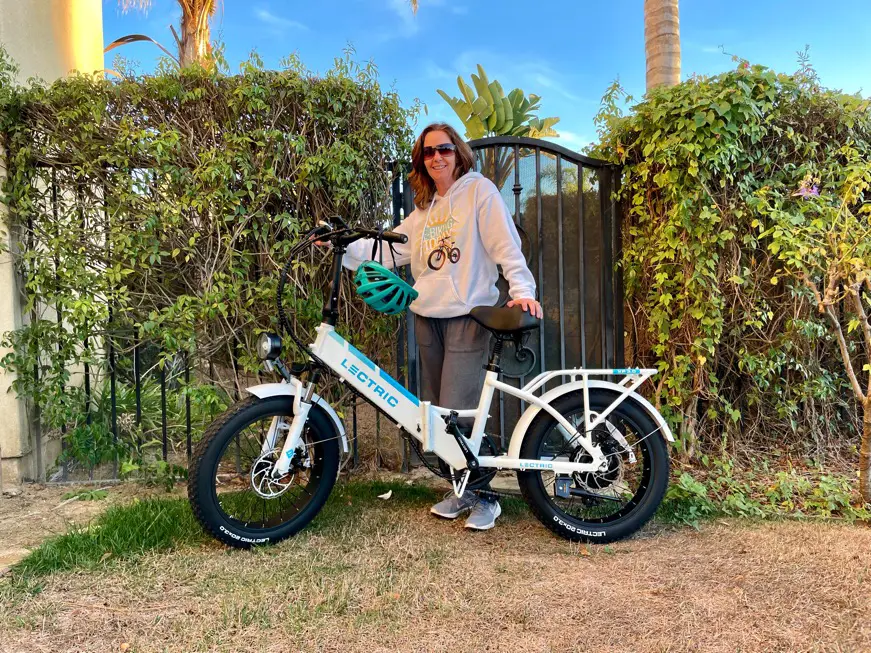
{"x":604,"y":505}
{"x":230,"y":488}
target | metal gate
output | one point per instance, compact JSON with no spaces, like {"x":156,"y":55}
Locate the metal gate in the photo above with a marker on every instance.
{"x":562,"y":204}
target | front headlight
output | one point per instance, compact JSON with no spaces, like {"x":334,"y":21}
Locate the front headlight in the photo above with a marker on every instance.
{"x":268,"y":346}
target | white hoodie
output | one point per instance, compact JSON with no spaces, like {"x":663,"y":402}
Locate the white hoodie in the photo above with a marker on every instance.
{"x":475,"y":231}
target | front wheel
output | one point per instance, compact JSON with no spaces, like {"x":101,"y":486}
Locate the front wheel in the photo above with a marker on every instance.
{"x":608,"y":504}
{"x":436,"y":259}
{"x":229,"y":486}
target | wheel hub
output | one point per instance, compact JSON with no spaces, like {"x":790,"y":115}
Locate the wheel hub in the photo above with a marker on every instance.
{"x":262,"y":481}
{"x":610,"y":473}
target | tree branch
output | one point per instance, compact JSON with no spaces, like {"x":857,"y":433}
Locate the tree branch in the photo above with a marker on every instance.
{"x":856,"y":291}
{"x":813,"y":287}
{"x":845,"y":354}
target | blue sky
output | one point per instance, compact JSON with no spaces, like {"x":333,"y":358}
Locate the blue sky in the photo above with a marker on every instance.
{"x":566,"y":51}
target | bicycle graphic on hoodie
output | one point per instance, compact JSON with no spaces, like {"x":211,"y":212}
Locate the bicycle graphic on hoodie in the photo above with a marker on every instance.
{"x":446,"y":250}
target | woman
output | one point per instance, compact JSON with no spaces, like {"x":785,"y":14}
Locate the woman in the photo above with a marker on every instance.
{"x":458,"y":233}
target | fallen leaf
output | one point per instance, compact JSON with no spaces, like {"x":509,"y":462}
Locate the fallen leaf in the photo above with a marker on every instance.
{"x":105,"y":556}
{"x":386,"y":495}
{"x":584,"y":551}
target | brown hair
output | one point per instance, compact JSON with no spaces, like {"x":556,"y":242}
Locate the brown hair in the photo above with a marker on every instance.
{"x":422,"y":184}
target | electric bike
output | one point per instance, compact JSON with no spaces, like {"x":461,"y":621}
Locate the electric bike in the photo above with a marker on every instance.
{"x":590,"y":454}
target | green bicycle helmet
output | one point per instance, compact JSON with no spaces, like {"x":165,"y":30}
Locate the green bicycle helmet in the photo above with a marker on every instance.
{"x":383,"y":290}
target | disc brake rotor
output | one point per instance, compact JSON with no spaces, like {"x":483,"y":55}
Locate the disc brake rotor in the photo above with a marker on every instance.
{"x":262,"y":482}
{"x":612,"y":450}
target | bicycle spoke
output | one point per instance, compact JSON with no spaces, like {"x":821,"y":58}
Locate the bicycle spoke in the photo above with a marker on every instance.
{"x":241,"y":501}
{"x":597,"y":495}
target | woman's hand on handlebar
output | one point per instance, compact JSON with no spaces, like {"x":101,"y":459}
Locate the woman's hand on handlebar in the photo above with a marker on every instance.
{"x":322,"y":229}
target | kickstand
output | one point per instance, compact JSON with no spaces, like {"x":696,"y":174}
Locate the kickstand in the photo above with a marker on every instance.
{"x":460,"y":488}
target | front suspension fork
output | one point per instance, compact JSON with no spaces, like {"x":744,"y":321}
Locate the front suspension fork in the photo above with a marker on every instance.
{"x":302,"y":403}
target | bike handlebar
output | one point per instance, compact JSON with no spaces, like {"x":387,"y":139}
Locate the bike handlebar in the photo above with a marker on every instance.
{"x":345,"y":235}
{"x":341,"y":235}
{"x":357,"y":234}
{"x":393,"y":237}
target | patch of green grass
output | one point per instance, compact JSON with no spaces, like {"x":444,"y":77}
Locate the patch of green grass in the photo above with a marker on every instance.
{"x":122,"y":532}
{"x":130,"y":531}
{"x":156,"y":524}
{"x":686,"y":502}
{"x":349,"y":499}
{"x":86,"y":495}
{"x":720,"y":489}
{"x":367,"y":492}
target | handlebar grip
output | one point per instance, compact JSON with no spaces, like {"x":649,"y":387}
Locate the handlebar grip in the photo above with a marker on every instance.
{"x":322,"y":229}
{"x":393,"y":237}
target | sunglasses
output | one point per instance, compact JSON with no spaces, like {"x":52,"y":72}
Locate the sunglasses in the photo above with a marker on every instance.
{"x":444,"y":149}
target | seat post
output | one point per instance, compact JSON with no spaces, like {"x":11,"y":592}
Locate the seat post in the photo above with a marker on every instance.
{"x":496,"y":356}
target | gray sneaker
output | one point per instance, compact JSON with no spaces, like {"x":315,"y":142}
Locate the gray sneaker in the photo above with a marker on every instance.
{"x":484,"y":515}
{"x":451,"y":507}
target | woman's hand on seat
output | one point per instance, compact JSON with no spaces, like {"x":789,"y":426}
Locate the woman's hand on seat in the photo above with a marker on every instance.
{"x":529,"y":305}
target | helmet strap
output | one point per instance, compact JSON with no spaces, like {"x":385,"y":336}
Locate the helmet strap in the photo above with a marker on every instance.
{"x":379,"y":240}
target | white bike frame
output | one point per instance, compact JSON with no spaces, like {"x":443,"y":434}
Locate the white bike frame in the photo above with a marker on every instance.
{"x":426,"y":422}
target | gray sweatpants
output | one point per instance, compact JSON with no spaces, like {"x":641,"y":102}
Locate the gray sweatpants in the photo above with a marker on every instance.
{"x":453,"y":352}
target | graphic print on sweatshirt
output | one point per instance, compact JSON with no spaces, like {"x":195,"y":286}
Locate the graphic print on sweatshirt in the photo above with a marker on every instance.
{"x":438,"y":238}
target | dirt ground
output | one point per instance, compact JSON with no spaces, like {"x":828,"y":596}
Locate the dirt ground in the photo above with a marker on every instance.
{"x":392,"y":578}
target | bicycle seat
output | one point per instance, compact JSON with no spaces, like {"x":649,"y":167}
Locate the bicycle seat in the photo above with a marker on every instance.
{"x":504,"y":322}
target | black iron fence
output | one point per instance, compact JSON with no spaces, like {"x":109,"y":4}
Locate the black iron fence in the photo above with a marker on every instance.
{"x":562,"y":204}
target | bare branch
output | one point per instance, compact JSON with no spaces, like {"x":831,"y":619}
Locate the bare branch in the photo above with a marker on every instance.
{"x":127,"y":5}
{"x":856,"y":292}
{"x":816,"y":291}
{"x":845,"y":354}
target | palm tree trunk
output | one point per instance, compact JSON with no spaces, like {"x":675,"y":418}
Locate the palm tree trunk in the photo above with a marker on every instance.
{"x":662,"y":42}
{"x":195,"y":43}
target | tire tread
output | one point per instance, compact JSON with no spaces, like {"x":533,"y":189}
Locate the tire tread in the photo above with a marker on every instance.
{"x":199,"y":455}
{"x":618,"y":531}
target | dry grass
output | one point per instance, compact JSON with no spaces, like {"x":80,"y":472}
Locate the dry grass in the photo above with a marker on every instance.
{"x":385,"y":576}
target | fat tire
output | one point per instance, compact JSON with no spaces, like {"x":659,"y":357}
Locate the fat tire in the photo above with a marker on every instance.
{"x":201,"y":478}
{"x":539,"y":501}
